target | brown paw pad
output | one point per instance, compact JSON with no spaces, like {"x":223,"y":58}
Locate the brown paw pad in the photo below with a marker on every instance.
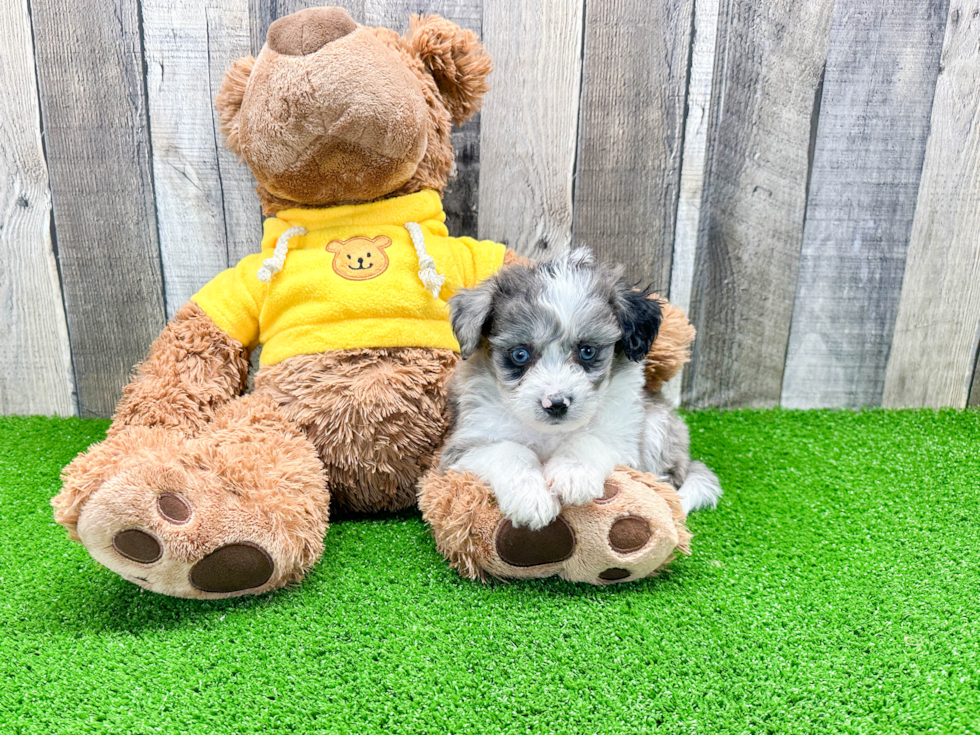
{"x":137,"y":545}
{"x":629,"y":534}
{"x":522,"y":547}
{"x":174,"y":509}
{"x":233,"y":568}
{"x":609,"y":492}
{"x":613,"y":574}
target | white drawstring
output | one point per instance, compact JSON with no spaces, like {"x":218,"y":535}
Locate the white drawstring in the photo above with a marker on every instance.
{"x":427,"y":266}
{"x":273,"y":265}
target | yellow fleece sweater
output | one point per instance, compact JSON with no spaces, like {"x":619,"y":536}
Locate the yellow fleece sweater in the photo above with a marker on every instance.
{"x":352,"y":281}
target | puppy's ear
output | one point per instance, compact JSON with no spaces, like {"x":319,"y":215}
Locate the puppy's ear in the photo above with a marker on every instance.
{"x":456,"y":59}
{"x":229,"y":100}
{"x":639,"y":320}
{"x":471,"y":312}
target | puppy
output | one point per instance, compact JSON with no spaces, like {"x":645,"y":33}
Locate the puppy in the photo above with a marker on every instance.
{"x":550,"y":396}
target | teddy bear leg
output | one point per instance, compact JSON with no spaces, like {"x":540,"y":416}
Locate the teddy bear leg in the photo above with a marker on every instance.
{"x":377,"y":417}
{"x":239,"y":509}
{"x":629,"y":533}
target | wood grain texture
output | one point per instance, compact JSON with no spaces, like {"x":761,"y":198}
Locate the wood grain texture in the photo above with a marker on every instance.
{"x":934,"y":347}
{"x":692,"y":169}
{"x":766,"y":77}
{"x":210,"y":213}
{"x":35,"y":363}
{"x":631,"y":125}
{"x":460,"y":197}
{"x":529,"y":124}
{"x":90,"y":69}
{"x":871,"y":139}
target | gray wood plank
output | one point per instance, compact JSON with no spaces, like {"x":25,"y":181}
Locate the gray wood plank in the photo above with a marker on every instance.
{"x":460,"y":197}
{"x":871,"y":139}
{"x":90,"y":70}
{"x":35,"y":363}
{"x":692,"y":167}
{"x":631,"y":127}
{"x":529,"y":124}
{"x":213,"y":216}
{"x":766,"y":78}
{"x":934,"y":347}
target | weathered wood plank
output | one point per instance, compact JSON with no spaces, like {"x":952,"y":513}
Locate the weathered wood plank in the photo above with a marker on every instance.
{"x":692,"y":169}
{"x":871,"y":139}
{"x":35,"y":363}
{"x":934,"y":347}
{"x":765,"y":81}
{"x":631,"y":126}
{"x":212,"y":215}
{"x":529,"y":124}
{"x":90,"y":69}
{"x":460,"y":197}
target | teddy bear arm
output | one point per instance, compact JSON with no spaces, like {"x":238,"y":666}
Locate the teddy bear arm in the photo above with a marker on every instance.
{"x":671,"y":350}
{"x":511,"y":256}
{"x":192,"y":369}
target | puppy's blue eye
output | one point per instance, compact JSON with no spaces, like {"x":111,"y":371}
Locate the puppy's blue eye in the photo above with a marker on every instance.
{"x":520,"y":355}
{"x":586,"y":352}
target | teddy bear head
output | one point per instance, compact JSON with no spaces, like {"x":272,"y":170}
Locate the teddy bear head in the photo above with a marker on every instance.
{"x":332,"y":112}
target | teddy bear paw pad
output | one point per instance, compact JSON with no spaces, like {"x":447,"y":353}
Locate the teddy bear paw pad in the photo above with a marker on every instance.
{"x":137,"y":545}
{"x":174,"y":509}
{"x":629,"y":534}
{"x":522,"y":547}
{"x":233,"y":568}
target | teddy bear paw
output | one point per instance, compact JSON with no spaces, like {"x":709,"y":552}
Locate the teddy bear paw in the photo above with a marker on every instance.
{"x":182,"y":534}
{"x":628,"y":533}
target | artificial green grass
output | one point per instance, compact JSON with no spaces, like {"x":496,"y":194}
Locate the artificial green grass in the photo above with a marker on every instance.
{"x":835,"y":589}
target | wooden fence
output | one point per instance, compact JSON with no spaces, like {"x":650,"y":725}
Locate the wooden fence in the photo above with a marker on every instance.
{"x":802,"y":175}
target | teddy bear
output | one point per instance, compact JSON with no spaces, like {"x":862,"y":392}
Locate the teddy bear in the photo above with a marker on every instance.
{"x":202,"y":490}
{"x":633,"y":531}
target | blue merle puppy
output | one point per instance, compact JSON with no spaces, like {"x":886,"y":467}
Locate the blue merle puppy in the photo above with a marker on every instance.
{"x":550,"y":396}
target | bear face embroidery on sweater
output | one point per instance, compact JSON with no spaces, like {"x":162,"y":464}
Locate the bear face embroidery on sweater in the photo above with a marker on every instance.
{"x":359,"y":258}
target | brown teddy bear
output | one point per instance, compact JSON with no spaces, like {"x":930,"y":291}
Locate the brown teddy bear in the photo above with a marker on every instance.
{"x":200,"y":491}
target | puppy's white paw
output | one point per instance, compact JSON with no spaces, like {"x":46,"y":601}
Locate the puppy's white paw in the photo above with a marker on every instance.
{"x":574,"y":482}
{"x":528,"y":502}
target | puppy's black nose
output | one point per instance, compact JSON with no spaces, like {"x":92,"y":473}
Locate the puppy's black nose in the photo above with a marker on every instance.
{"x":556,"y":405}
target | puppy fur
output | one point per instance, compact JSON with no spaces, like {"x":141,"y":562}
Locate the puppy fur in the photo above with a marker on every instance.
{"x":551,"y":397}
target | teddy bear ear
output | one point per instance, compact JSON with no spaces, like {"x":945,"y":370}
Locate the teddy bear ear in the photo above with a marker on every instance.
{"x":229,"y":100}
{"x":456,"y":59}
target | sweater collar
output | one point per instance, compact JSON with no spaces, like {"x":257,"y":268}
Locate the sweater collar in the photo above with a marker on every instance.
{"x":419,"y":207}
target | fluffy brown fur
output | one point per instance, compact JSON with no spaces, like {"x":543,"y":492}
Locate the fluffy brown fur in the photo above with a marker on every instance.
{"x":455,"y":59}
{"x":671,"y":350}
{"x":192,"y":369}
{"x":376,"y":416}
{"x":465,"y":520}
